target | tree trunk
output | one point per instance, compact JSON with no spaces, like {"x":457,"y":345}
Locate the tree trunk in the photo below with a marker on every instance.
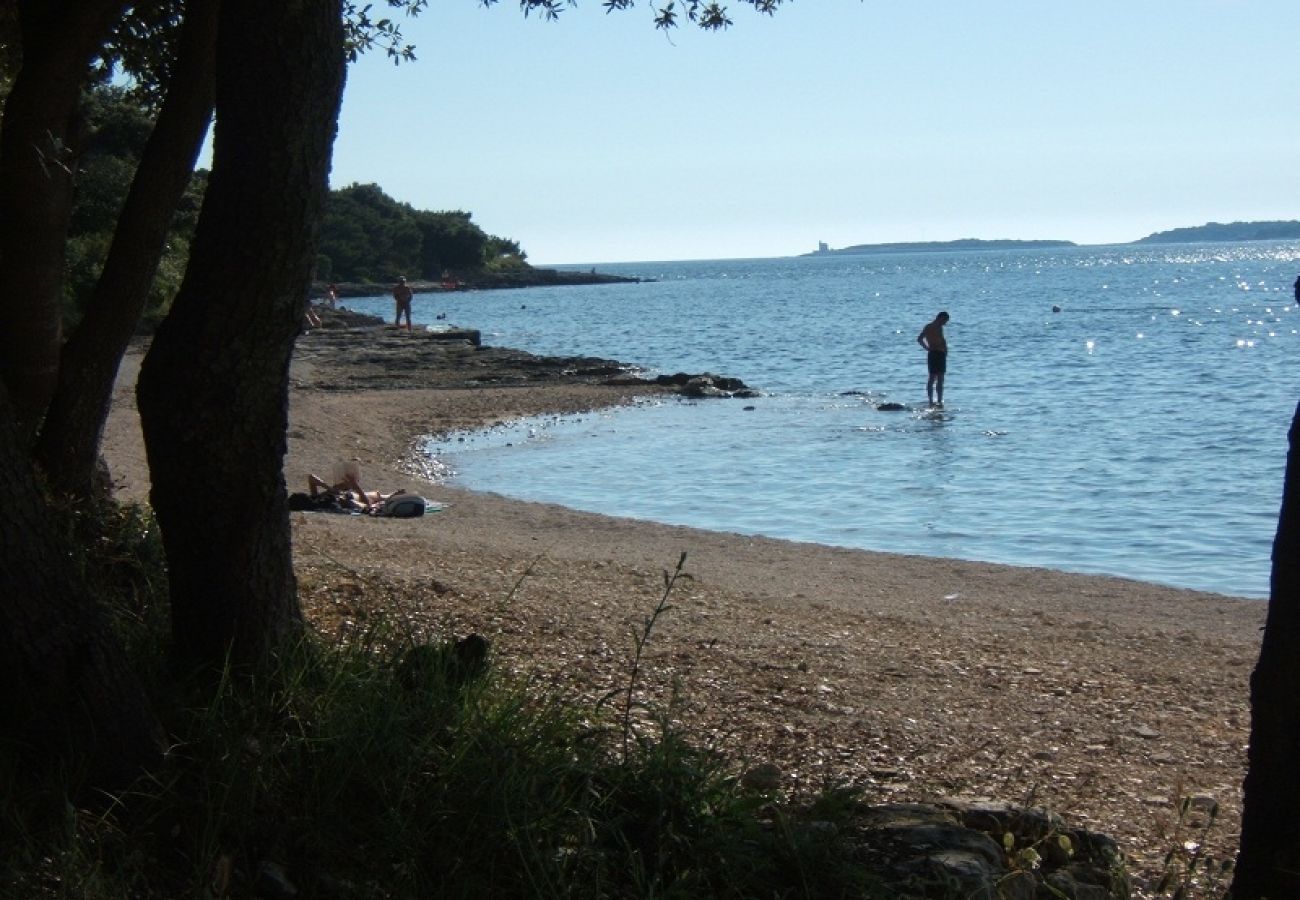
{"x":213,"y":391}
{"x":67,"y":698}
{"x":1269,"y":862}
{"x":60,"y":37}
{"x":68,"y":447}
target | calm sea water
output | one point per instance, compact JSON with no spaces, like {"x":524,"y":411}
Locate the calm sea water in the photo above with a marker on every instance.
{"x":1140,"y":431}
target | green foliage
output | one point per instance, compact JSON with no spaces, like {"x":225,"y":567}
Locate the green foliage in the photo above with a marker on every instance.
{"x":10,"y":46}
{"x":450,"y":241}
{"x":119,"y":128}
{"x":710,"y":16}
{"x":368,"y":236}
{"x":120,"y":555}
{"x":365,"y":33}
{"x":143,"y":47}
{"x":1190,"y":870}
{"x":143,"y":43}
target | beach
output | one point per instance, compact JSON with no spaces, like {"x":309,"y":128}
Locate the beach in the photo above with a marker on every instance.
{"x":1105,"y":700}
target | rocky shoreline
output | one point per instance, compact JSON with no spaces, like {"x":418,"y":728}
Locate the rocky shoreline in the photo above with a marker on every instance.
{"x":365,"y":352}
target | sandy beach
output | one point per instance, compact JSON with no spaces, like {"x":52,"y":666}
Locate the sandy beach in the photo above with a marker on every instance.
{"x":1105,"y":700}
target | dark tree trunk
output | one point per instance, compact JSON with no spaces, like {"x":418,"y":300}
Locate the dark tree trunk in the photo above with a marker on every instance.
{"x":68,"y":447}
{"x":1269,"y":862}
{"x":67,"y":698}
{"x":213,"y":391}
{"x":60,"y":37}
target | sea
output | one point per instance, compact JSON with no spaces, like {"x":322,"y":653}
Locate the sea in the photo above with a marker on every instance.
{"x":1118,"y":410}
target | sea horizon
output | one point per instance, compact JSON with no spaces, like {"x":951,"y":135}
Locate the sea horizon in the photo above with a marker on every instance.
{"x":896,"y":247}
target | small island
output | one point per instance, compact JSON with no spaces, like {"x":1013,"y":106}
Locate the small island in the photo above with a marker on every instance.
{"x":938,"y":246}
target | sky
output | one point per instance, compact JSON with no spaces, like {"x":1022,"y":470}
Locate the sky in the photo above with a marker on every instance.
{"x":597,"y":138}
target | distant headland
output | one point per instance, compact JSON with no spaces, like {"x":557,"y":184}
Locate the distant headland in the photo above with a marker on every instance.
{"x":1211,"y":232}
{"x":1229,"y":232}
{"x":479,"y":280}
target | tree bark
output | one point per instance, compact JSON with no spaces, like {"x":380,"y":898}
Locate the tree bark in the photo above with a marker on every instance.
{"x":213,"y":390}
{"x":68,"y":447}
{"x":60,"y":37}
{"x":1268,"y":864}
{"x":67,"y":697}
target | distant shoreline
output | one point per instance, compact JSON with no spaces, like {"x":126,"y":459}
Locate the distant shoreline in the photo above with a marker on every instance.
{"x":1211,"y":232}
{"x":478,"y":281}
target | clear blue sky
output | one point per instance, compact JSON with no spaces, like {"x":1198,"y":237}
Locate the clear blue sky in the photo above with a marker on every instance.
{"x":598,"y":139}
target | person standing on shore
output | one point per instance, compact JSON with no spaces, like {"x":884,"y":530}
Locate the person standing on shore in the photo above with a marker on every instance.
{"x":935,"y":345}
{"x":402,"y":296}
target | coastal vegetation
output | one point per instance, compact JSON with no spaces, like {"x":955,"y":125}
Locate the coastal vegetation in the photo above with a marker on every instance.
{"x":367,"y":236}
{"x":169,"y":726}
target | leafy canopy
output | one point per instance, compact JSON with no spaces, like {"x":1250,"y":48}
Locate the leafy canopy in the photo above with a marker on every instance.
{"x":368,"y":236}
{"x":708,"y":15}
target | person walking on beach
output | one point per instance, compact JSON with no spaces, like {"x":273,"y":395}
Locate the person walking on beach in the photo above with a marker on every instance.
{"x":935,"y":345}
{"x":402,"y":295}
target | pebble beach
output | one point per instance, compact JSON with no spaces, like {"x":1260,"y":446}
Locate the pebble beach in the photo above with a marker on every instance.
{"x":1108,"y":701}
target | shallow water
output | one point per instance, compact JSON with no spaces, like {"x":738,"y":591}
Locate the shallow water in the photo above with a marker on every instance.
{"x":1140,"y":431}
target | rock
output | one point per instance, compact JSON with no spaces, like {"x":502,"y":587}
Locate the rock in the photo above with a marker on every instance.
{"x":706,"y":385}
{"x":890,"y":407}
{"x":987,"y":849}
{"x":763,"y":778}
{"x":1064,"y":882}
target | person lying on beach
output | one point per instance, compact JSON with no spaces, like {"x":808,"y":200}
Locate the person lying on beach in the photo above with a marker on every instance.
{"x":347,"y":495}
{"x":348,"y":492}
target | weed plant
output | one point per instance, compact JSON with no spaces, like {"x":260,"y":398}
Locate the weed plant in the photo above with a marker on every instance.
{"x":382,"y":768}
{"x":1190,"y":871}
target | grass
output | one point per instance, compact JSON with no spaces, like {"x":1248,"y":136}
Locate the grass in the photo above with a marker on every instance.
{"x":382,"y":768}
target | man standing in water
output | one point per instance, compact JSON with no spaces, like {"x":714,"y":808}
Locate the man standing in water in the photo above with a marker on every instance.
{"x":935,"y":345}
{"x":402,"y":296}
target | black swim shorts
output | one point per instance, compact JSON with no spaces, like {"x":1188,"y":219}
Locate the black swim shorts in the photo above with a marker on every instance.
{"x":937,"y":360}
